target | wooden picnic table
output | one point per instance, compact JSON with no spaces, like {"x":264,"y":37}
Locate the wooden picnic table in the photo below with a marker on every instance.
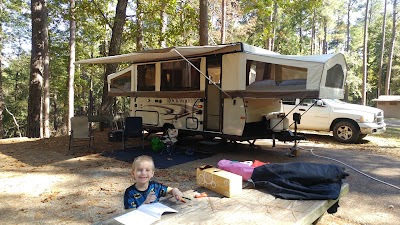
{"x":253,"y":206}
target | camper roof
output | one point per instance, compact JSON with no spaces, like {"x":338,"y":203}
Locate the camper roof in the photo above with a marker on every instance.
{"x":170,"y":53}
{"x":321,"y":76}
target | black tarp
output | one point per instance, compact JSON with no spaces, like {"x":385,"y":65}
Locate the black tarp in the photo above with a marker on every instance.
{"x":299,"y":180}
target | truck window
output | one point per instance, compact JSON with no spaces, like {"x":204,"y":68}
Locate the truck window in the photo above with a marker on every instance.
{"x":308,"y":101}
{"x":289,"y":101}
{"x":180,"y":76}
{"x":146,"y":75}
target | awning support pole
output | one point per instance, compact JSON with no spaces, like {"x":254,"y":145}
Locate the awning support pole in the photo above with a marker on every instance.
{"x":201,"y":72}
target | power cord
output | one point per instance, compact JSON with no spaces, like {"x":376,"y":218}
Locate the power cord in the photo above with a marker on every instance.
{"x":373,"y":178}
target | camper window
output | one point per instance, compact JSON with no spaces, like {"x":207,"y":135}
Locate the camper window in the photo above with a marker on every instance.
{"x":285,"y":73}
{"x":146,"y":75}
{"x":262,"y":74}
{"x":258,"y":71}
{"x":121,"y":83}
{"x":335,"y":77}
{"x":180,"y":76}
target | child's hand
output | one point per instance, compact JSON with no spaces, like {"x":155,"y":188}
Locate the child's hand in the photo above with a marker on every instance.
{"x":151,"y":197}
{"x":177,"y":193}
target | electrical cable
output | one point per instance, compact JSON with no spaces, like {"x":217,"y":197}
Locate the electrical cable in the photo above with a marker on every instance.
{"x":373,"y":178}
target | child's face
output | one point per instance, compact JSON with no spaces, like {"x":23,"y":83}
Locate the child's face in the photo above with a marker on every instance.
{"x":143,"y":172}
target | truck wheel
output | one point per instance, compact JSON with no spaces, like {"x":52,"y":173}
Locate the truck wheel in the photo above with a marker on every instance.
{"x":346,"y":132}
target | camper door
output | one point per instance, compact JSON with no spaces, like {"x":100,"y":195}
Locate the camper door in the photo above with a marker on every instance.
{"x":213,"y":105}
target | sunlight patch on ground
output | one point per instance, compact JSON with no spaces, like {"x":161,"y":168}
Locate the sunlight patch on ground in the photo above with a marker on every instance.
{"x":384,"y":141}
{"x":32,"y":184}
{"x":17,"y":140}
{"x":383,"y":172}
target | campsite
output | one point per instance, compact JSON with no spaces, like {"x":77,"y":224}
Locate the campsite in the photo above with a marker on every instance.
{"x":88,"y":86}
{"x":41,"y":182}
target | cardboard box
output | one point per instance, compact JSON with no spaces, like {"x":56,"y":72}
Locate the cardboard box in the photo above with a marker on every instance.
{"x":220,"y":181}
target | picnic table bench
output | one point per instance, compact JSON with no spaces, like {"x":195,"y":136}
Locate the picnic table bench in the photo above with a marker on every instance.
{"x":253,"y":206}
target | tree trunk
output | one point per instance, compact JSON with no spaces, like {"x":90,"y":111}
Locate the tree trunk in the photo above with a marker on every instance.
{"x":38,"y":18}
{"x":45,"y":130}
{"x":1,"y":85}
{"x":301,"y":39}
{"x":313,"y":33}
{"x":71,"y":66}
{"x":274,"y":23}
{"x":181,"y":22}
{"x":365,"y":57}
{"x":223,"y":19}
{"x":391,"y":50}
{"x":348,"y":26}
{"x":203,"y":22}
{"x":325,"y":42}
{"x":139,"y":23}
{"x":115,"y":45}
{"x":382,"y":50}
{"x":55,"y":112}
{"x":164,"y":23}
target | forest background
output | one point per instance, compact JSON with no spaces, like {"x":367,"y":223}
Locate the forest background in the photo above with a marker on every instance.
{"x":40,"y":40}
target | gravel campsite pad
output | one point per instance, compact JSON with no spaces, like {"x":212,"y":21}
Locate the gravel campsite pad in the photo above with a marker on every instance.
{"x":40,"y":182}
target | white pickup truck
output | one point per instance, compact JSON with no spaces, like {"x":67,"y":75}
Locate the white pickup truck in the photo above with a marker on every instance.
{"x":349,"y":122}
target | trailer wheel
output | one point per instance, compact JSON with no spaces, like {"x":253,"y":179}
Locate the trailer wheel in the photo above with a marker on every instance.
{"x":346,"y":132}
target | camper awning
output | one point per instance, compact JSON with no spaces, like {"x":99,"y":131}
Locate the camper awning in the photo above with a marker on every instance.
{"x":169,"y":53}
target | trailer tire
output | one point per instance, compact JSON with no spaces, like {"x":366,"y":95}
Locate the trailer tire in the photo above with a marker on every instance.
{"x":346,"y":132}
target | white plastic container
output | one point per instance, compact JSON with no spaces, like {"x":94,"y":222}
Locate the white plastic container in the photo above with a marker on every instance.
{"x":278,"y":122}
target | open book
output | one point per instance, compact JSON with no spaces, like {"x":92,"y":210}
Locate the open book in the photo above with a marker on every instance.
{"x":145,"y":214}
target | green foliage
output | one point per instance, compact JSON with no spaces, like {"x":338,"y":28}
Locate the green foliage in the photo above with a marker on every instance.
{"x":354,"y":76}
{"x":15,"y":75}
{"x":258,"y":13}
{"x":15,"y":81}
{"x":391,"y":133}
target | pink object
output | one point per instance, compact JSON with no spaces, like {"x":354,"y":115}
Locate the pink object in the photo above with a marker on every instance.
{"x":235,"y":167}
{"x":257,"y":163}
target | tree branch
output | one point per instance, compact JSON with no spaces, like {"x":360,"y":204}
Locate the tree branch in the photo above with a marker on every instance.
{"x":102,"y":14}
{"x":15,"y":120}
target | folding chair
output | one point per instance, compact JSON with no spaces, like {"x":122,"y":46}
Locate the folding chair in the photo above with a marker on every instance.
{"x":80,"y":130}
{"x":133,"y":128}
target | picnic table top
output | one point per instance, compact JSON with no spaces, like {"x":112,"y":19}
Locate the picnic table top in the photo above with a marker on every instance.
{"x":253,"y":206}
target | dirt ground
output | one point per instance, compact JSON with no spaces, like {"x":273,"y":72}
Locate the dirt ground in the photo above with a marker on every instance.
{"x":41,"y":183}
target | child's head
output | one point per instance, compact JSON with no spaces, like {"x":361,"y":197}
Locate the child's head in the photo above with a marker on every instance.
{"x":143,"y":169}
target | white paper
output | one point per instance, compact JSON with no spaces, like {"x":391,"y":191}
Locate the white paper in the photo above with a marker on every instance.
{"x":155,"y":209}
{"x":145,"y":214}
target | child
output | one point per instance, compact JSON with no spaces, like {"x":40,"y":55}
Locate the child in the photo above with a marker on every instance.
{"x":144,"y":191}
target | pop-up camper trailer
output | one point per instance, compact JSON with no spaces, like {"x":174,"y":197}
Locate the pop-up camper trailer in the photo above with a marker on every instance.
{"x":232,"y":91}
